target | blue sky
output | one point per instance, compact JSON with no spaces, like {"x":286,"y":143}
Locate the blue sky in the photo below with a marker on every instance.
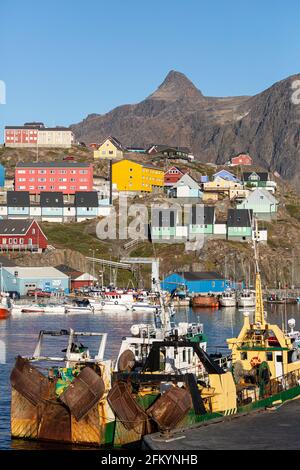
{"x":62,"y":60}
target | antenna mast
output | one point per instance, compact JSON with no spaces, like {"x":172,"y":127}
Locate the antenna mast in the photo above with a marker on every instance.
{"x":259,"y":304}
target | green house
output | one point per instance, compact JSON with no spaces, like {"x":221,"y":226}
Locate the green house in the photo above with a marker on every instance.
{"x":202,"y":220}
{"x":239,"y":224}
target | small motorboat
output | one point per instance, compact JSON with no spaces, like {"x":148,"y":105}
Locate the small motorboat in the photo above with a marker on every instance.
{"x":79,"y":306}
{"x":33,"y":309}
{"x":144,"y":307}
{"x":53,"y":308}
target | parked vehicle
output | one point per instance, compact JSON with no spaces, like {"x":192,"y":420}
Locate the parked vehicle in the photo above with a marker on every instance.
{"x":38,"y":293}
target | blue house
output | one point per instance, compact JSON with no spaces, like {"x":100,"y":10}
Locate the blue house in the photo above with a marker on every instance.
{"x":2,"y":176}
{"x":196,"y":282}
{"x":226,"y":175}
{"x":52,"y":206}
{"x":86,"y":204}
{"x":18,"y":204}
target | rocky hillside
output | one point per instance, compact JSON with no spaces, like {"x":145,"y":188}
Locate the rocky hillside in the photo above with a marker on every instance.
{"x":266,"y":125}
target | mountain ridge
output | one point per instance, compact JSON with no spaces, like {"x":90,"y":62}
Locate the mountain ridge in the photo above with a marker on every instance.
{"x":266,"y":124}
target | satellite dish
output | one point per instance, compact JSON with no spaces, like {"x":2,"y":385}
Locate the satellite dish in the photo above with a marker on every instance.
{"x":126,"y":361}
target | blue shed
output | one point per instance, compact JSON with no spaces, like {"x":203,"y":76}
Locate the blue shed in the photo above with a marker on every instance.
{"x":2,"y":176}
{"x":196,"y":282}
{"x":21,"y":279}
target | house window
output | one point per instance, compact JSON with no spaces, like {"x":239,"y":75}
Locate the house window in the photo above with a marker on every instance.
{"x":33,"y":231}
{"x":3,"y":241}
{"x":244,"y":356}
{"x":269,"y":356}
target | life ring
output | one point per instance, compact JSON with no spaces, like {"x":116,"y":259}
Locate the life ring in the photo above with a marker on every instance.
{"x":255,"y":361}
{"x":116,"y":302}
{"x":102,"y":303}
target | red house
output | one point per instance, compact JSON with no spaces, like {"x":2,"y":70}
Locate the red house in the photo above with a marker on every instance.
{"x":241,"y":159}
{"x":66,"y":177}
{"x":78,"y":279}
{"x":22,"y":234}
{"x":172,"y":176}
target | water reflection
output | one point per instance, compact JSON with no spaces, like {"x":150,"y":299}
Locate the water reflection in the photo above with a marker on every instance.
{"x":20,"y":335}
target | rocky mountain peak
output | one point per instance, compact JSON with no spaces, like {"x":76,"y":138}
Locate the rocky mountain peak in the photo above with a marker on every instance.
{"x":176,"y":85}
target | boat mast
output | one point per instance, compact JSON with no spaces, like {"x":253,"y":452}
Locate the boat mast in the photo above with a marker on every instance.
{"x":259,"y":305}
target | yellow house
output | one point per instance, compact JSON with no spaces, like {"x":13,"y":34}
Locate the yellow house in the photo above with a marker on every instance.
{"x":132,"y":176}
{"x":111,"y":148}
{"x":222,"y":185}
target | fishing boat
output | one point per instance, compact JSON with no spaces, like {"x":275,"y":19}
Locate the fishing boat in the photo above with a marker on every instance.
{"x":63,"y":398}
{"x":209,"y":300}
{"x":107,"y":306}
{"x":228,"y":298}
{"x":246,"y":298}
{"x":163,"y":379}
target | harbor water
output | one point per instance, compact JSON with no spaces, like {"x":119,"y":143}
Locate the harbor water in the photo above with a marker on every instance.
{"x":18,"y":335}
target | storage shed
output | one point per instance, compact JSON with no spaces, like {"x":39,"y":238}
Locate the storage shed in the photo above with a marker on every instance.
{"x":21,"y":279}
{"x":196,"y":282}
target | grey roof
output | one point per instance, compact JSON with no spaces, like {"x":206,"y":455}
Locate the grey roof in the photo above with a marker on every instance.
{"x":200,"y":276}
{"x":261,"y":192}
{"x":86,"y":199}
{"x":239,"y":217}
{"x":51,"y":199}
{"x":115,"y":141}
{"x":18,"y":199}
{"x":15,"y":226}
{"x":202,"y":215}
{"x":187,"y":180}
{"x":263,"y":175}
{"x":68,"y":270}
{"x":64,"y":164}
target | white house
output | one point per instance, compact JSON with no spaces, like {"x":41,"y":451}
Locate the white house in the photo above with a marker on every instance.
{"x":186,"y":187}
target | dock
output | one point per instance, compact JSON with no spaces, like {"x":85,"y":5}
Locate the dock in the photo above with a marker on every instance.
{"x":270,"y":429}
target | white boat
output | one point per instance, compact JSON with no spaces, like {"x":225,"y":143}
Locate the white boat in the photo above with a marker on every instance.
{"x":246,"y":298}
{"x":33,"y":309}
{"x":228,"y":299}
{"x":144,"y":307}
{"x":58,"y":309}
{"x":136,"y":348}
{"x":77,"y":309}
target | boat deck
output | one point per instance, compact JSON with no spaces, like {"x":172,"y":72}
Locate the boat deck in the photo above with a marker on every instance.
{"x":265,"y":429}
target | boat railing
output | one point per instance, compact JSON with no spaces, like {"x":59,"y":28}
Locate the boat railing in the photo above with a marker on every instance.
{"x":282,"y":383}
